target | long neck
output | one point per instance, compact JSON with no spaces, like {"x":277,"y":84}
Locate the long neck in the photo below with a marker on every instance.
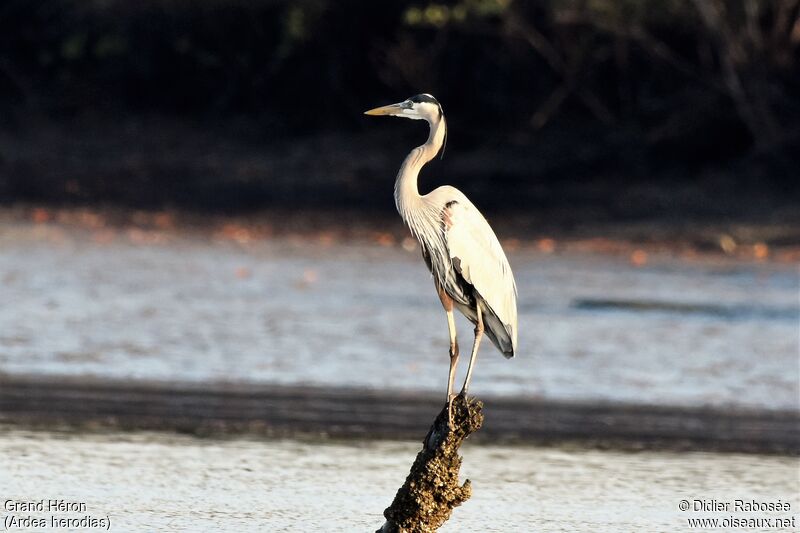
{"x":406,"y":193}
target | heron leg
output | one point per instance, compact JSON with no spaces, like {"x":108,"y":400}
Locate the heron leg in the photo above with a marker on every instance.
{"x":475,"y":345}
{"x":451,"y":326}
{"x":447,"y":303}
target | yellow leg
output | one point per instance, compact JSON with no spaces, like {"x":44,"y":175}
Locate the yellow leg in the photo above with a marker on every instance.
{"x":475,"y":345}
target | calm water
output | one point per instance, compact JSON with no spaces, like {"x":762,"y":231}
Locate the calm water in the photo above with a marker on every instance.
{"x":286,"y":311}
{"x":150,"y":482}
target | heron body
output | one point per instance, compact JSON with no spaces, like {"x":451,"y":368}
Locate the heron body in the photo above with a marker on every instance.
{"x":470,"y":269}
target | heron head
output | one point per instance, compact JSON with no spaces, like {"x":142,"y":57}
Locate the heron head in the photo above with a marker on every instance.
{"x":419,"y":107}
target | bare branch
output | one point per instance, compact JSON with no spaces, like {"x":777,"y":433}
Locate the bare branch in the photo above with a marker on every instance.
{"x":549,"y":107}
{"x":754,"y":113}
{"x":538,"y":42}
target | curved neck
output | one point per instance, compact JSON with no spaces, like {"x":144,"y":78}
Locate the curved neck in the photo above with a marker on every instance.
{"x":406,"y":193}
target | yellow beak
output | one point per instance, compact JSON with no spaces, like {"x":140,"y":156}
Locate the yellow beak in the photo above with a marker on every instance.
{"x":392,"y":109}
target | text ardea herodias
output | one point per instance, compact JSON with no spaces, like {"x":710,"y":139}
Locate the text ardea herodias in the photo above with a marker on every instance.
{"x":468,"y":264}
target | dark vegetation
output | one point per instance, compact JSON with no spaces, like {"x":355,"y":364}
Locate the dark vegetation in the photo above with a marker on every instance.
{"x":638,"y":108}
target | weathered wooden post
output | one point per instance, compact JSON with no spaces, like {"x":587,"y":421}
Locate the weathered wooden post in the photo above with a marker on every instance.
{"x":432,"y":490}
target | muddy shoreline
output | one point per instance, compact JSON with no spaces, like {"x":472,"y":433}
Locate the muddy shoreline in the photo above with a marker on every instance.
{"x":349,"y":413}
{"x":763,"y":241}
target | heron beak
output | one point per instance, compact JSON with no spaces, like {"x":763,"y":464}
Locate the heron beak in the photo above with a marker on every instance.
{"x":392,"y":109}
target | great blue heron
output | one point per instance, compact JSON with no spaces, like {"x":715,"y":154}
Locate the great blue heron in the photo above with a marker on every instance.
{"x":469,"y":267}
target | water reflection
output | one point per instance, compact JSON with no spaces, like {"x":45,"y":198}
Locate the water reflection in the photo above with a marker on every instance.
{"x":293,"y":311}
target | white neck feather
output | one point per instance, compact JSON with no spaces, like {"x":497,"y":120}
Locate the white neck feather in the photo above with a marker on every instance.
{"x":406,"y":193}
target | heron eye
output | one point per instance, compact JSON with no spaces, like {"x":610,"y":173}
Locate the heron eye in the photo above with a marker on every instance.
{"x":407,"y":104}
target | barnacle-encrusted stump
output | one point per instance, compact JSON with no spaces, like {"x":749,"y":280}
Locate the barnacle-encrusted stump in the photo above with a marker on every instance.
{"x":432,"y":491}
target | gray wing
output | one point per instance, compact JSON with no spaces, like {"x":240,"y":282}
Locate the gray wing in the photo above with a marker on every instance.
{"x":477,"y":256}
